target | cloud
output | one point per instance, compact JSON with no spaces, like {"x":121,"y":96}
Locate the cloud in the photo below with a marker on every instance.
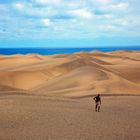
{"x":29,"y":10}
{"x":19,"y":6}
{"x":81,"y":13}
{"x":104,"y":1}
{"x":69,"y":18}
{"x":121,"y":22}
{"x":117,"y":6}
{"x":47,"y":1}
{"x":46,"y":22}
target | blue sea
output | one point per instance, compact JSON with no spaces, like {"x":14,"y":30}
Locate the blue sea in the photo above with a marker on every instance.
{"x":51,"y":51}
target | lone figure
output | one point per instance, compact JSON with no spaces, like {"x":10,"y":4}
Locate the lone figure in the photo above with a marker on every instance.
{"x":97,"y":102}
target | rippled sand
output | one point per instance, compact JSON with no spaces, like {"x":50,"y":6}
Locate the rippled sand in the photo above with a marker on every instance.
{"x":45,"y":118}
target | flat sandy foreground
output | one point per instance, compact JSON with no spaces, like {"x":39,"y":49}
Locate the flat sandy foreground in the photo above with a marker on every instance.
{"x":45,"y":118}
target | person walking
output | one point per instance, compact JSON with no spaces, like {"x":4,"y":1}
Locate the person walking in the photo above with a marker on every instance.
{"x":97,"y":100}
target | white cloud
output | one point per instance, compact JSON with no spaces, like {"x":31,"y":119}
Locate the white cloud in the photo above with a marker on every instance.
{"x":117,"y":6}
{"x":104,"y":1}
{"x":81,"y":13}
{"x":46,"y":22}
{"x":19,"y":6}
{"x":107,"y":16}
{"x":109,"y":28}
{"x":75,"y":4}
{"x":122,"y":6}
{"x":30,"y":10}
{"x":71,"y":18}
{"x":121,"y":22}
{"x":47,"y":1}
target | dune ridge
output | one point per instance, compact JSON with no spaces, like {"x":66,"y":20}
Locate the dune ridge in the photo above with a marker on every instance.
{"x":72,"y":75}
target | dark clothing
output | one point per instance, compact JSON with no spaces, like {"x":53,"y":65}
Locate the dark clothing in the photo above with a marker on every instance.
{"x":97,"y":102}
{"x":97,"y":99}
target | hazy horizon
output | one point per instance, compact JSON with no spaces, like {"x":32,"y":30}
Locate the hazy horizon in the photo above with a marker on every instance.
{"x":71,"y":47}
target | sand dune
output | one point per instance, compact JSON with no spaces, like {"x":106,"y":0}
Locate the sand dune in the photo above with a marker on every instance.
{"x":81,"y":77}
{"x":7,"y":88}
{"x":23,"y":79}
{"x":50,"y":97}
{"x":72,"y":75}
{"x":88,"y":81}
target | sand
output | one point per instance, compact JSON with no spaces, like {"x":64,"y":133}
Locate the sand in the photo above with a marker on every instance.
{"x":72,"y":75}
{"x":50,"y":97}
{"x":42,"y":118}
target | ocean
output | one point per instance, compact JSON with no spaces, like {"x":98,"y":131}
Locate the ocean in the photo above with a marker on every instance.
{"x":52,"y":51}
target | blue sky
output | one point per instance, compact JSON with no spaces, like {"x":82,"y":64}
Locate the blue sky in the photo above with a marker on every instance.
{"x":69,"y":23}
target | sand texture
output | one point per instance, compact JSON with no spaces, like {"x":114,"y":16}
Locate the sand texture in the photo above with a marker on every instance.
{"x":72,"y":75}
{"x":50,"y":97}
{"x":43,"y":118}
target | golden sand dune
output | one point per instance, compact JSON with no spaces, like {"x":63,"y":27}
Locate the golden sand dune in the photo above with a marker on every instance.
{"x":88,"y":81}
{"x":129,"y":54}
{"x":7,"y":88}
{"x":23,"y":79}
{"x":73,"y":75}
{"x":80,"y":77}
{"x":64,"y":114}
{"x":129,"y":70}
{"x":13,"y":61}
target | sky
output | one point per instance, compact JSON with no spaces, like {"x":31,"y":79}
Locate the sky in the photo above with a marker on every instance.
{"x":69,"y":23}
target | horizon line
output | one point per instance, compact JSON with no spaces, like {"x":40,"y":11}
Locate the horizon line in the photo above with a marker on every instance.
{"x":68,"y":47}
